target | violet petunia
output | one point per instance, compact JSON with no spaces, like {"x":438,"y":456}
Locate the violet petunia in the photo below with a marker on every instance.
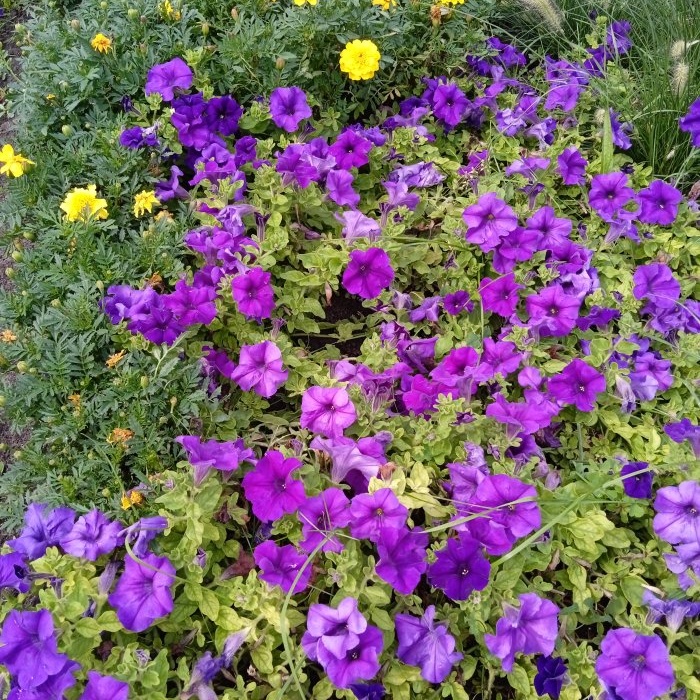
{"x":635,"y":666}
{"x":531,"y":628}
{"x":260,"y":369}
{"x":327,"y":411}
{"x":211,"y":454}
{"x":13,"y":570}
{"x":685,"y":430}
{"x":655,"y":281}
{"x":350,"y":150}
{"x":373,"y":511}
{"x":578,"y":384}
{"x":690,"y":123}
{"x":368,"y":273}
{"x":165,"y":78}
{"x":280,"y":566}
{"x":449,"y":104}
{"x":572,"y":167}
{"x":609,"y":193}
{"x":460,"y":568}
{"x":659,"y":203}
{"x":320,"y":516}
{"x":144,"y":593}
{"x":402,"y":557}
{"x":359,"y":663}
{"x":288,"y":106}
{"x":427,"y":645}
{"x":43,"y":527}
{"x":101,"y":687}
{"x":488,"y":221}
{"x":677,"y":518}
{"x":253,"y":294}
{"x":552,"y":311}
{"x":270,"y":488}
{"x":500,"y":295}
{"x":340,"y":189}
{"x":92,"y":536}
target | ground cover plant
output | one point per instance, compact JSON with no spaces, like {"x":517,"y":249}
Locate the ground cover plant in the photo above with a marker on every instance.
{"x":451,"y":356}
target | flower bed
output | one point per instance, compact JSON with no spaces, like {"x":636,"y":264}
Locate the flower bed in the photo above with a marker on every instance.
{"x":455,"y":448}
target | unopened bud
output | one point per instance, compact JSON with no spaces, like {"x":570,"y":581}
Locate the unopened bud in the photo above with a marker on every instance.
{"x":234,"y":13}
{"x":75,"y":24}
{"x":145,"y":381}
{"x":67,"y":130}
{"x":280,"y":63}
{"x":132,"y":13}
{"x":205,"y":28}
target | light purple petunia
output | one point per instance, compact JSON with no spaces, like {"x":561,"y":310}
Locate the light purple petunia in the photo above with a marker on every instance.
{"x":327,"y":411}
{"x":532,"y":628}
{"x":340,"y":189}
{"x":288,"y":106}
{"x":488,"y":221}
{"x":427,"y":645}
{"x":165,"y":78}
{"x":677,"y":518}
{"x":357,"y":225}
{"x":260,"y":369}
{"x":270,"y":488}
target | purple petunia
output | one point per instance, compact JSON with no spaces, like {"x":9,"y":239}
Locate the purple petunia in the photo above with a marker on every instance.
{"x":552,"y":311}
{"x":92,"y":536}
{"x":280,"y":566}
{"x":488,"y":221}
{"x":677,"y":518}
{"x":288,"y":106}
{"x":211,"y":454}
{"x":427,"y":645}
{"x":144,"y":593}
{"x":270,"y":488}
{"x":460,"y":568}
{"x":340,"y":189}
{"x":350,"y":150}
{"x":500,"y":295}
{"x":638,"y":479}
{"x":532,"y":628}
{"x":659,"y":203}
{"x":609,"y":193}
{"x":690,"y":123}
{"x":368,"y":273}
{"x":260,"y":369}
{"x":572,"y":167}
{"x":43,"y":528}
{"x":13,"y":568}
{"x":402,"y":557}
{"x":634,"y":666}
{"x":656,"y":282}
{"x":253,"y":294}
{"x":578,"y":384}
{"x":551,"y":675}
{"x":101,"y":687}
{"x":327,"y":410}
{"x":685,"y":430}
{"x":165,"y":78}
{"x":320,"y":516}
{"x":450,"y":104}
{"x":373,"y":511}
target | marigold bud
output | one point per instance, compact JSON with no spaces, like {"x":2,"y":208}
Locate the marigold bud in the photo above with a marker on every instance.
{"x":29,"y":235}
{"x":205,"y":28}
{"x":145,"y":381}
{"x":234,"y":13}
{"x":22,"y":366}
{"x":132,"y":13}
{"x":75,"y":24}
{"x":9,"y":272}
{"x":280,"y":63}
{"x":17,"y":255}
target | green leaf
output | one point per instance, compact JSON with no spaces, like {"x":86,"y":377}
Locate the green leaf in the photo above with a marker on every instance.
{"x":209,"y":604}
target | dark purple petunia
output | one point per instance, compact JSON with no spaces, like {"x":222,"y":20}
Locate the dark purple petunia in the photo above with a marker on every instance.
{"x":639,"y":485}
{"x":500,"y":295}
{"x":578,"y":384}
{"x":270,"y":488}
{"x":456,"y":302}
{"x":427,"y":645}
{"x":253,"y":294}
{"x":634,"y":666}
{"x":222,"y":115}
{"x":288,"y":106}
{"x":656,"y":282}
{"x":572,"y":167}
{"x":552,"y":311}
{"x":171,"y":189}
{"x":598,"y":317}
{"x":488,"y":221}
{"x":43,"y":528}
{"x":531,"y":628}
{"x":659,"y":203}
{"x":350,"y":150}
{"x":260,"y":369}
{"x":101,"y":687}
{"x":373,"y":511}
{"x":358,"y":663}
{"x":368,"y":273}
{"x":327,"y":411}
{"x":551,"y":675}
{"x":449,"y":104}
{"x":211,"y":454}
{"x":690,"y":123}
{"x":92,"y":536}
{"x":320,"y":516}
{"x":191,"y":305}
{"x":144,"y":594}
{"x":165,"y":78}
{"x":609,"y":193}
{"x":460,"y":568}
{"x":13,"y":570}
{"x":402,"y":557}
{"x":159,"y":325}
{"x":685,"y":430}
{"x":363,"y":691}
{"x":280,"y":566}
{"x":677,"y":518}
{"x":29,"y":650}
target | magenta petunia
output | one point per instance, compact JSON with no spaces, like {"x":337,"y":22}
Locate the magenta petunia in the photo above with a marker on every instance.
{"x":368,"y":273}
{"x":578,"y":384}
{"x":253,"y":294}
{"x":373,"y":511}
{"x":280,"y":566}
{"x":500,"y":295}
{"x":320,"y":516}
{"x":327,"y":410}
{"x":270,"y":488}
{"x":260,"y":369}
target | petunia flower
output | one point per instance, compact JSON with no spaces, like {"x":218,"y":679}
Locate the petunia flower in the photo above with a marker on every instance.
{"x":354,"y":462}
{"x":685,"y":430}
{"x":552,"y":311}
{"x":253,"y":294}
{"x":43,"y":528}
{"x":550,"y":677}
{"x":92,"y":536}
{"x":260,"y":369}
{"x":288,"y":107}
{"x":609,"y":193}
{"x":690,"y":123}
{"x":655,"y":281}
{"x":427,"y":645}
{"x":578,"y":384}
{"x":13,"y":568}
{"x":142,"y":594}
{"x":635,"y":666}
{"x":659,"y":203}
{"x":271,"y":490}
{"x":572,"y":167}
{"x":340,"y":189}
{"x":488,"y":221}
{"x":320,"y":516}
{"x":368,"y":273}
{"x":165,"y":78}
{"x":359,"y":663}
{"x":500,"y":295}
{"x":212,"y":454}
{"x":639,"y":485}
{"x":460,"y":568}
{"x":279,"y":566}
{"x":677,"y":518}
{"x":373,"y":511}
{"x":327,"y":410}
{"x":101,"y":687}
{"x":449,"y":104}
{"x":532,"y":628}
{"x":350,"y":150}
{"x":402,"y":557}
{"x":673,"y":611}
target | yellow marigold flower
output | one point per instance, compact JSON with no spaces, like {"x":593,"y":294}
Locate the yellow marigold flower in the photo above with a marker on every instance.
{"x":50,"y":97}
{"x":163,"y":215}
{"x":168,"y":11}
{"x":384,"y":4}
{"x":13,"y":163}
{"x":120,"y":436}
{"x":101,"y":43}
{"x":7,"y":336}
{"x":144,"y":201}
{"x":82,"y":203}
{"x":360,"y":59}
{"x":74,"y":399}
{"x":114,"y":360}
{"x":451,"y":2}
{"x":299,"y":3}
{"x":126,"y":502}
{"x":136,"y":498}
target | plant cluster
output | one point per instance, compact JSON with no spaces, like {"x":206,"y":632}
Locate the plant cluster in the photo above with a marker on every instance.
{"x":451,"y":360}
